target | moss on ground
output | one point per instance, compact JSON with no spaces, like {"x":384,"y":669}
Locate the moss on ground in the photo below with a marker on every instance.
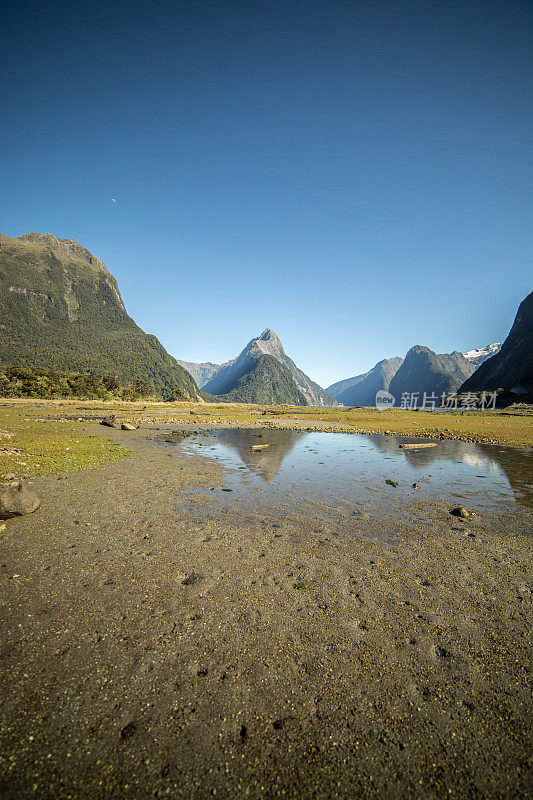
{"x":49,"y":447}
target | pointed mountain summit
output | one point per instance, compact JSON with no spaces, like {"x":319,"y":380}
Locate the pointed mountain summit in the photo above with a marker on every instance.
{"x":61,"y":308}
{"x":224,"y":379}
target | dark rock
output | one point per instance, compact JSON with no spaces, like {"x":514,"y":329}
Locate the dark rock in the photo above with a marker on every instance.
{"x":460,"y":511}
{"x":17,"y":500}
{"x":191,"y":579}
{"x":128,"y":730}
{"x":109,"y":421}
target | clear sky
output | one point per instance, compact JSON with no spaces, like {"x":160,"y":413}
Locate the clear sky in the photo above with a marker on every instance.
{"x":355,"y":175}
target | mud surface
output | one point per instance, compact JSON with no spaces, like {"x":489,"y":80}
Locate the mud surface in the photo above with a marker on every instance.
{"x":155,"y":648}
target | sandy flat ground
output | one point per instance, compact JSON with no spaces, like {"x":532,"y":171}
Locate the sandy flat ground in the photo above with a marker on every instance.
{"x":151,"y":652}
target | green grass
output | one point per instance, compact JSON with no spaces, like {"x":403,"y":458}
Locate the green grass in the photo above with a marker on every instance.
{"x":501,"y":427}
{"x":51,"y":447}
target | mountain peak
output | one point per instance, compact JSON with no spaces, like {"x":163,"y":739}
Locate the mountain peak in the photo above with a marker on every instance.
{"x":67,"y":250}
{"x":225,"y":379}
{"x":269,"y":343}
{"x":268,"y":334}
{"x":417,"y":349}
{"x":42,"y":237}
{"x":60,"y":308}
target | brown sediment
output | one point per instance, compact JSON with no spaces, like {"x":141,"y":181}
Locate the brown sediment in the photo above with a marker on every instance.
{"x":149,"y":651}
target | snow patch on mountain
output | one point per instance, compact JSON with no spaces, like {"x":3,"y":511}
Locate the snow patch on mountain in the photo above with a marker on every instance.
{"x":480,"y":354}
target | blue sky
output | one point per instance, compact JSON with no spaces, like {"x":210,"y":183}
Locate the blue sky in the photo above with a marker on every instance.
{"x":354,"y":175}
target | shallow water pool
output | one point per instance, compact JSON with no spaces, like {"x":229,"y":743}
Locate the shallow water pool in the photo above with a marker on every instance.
{"x":298,"y":468}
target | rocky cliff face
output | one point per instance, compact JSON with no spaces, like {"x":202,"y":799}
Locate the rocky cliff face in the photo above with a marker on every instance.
{"x":361,"y":389}
{"x":61,"y":308}
{"x":202,"y":372}
{"x":512,"y":367}
{"x":426,"y":371}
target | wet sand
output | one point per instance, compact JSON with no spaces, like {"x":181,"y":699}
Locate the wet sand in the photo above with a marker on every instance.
{"x":152,"y":652}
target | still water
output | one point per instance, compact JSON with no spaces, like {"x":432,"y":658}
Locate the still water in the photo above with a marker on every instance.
{"x":299,"y":467}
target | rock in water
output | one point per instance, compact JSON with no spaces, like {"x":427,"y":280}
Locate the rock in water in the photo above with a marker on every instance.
{"x":109,"y":421}
{"x":127,"y":426}
{"x":17,"y":500}
{"x":460,"y":511}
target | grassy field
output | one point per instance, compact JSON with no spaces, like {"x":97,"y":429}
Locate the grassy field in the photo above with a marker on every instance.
{"x":44,"y":441}
{"x":488,"y":426}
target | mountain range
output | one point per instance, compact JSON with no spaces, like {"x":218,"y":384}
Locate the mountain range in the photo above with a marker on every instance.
{"x":507,"y":366}
{"x":61,"y":309}
{"x":258,"y":378}
{"x":422,"y":370}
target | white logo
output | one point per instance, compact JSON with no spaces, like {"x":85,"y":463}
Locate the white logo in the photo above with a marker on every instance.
{"x":384,"y":400}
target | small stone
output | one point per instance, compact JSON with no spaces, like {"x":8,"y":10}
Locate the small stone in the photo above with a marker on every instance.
{"x":109,"y":421}
{"x":128,"y":730}
{"x":127,"y":426}
{"x":460,"y":511}
{"x":17,"y":500}
{"x":416,"y":486}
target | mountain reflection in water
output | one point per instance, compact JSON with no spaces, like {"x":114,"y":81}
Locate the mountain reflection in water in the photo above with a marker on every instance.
{"x":267,"y":462}
{"x":332,"y":462}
